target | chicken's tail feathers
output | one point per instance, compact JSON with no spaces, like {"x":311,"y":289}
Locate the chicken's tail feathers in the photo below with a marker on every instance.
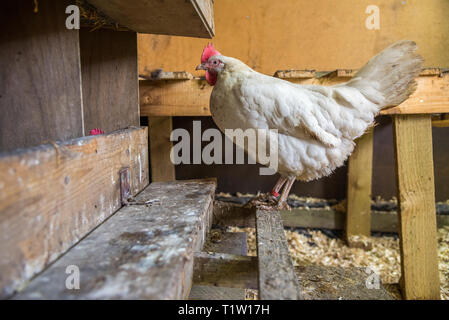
{"x":388,"y":79}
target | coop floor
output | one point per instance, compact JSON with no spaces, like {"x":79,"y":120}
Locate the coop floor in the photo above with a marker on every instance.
{"x":324,"y":247}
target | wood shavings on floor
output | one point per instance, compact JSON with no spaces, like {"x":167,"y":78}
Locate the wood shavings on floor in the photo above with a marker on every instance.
{"x":381,"y":255}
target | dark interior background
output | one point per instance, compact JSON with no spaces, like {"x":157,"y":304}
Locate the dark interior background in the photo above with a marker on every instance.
{"x":245,"y":178}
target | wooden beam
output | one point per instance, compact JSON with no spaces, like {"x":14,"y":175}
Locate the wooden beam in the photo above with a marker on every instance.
{"x":40,"y":88}
{"x":225,"y":270}
{"x":416,"y":196}
{"x":174,"y":98}
{"x":110,"y":81}
{"x":231,"y":214}
{"x":360,"y":168}
{"x":431,"y":96}
{"x":53,"y":195}
{"x":191,"y":97}
{"x":194,"y":18}
{"x":162,"y":168}
{"x":277,"y":277}
{"x":144,"y":251}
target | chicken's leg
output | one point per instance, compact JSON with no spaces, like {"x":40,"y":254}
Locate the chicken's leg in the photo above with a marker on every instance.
{"x":282,"y":203}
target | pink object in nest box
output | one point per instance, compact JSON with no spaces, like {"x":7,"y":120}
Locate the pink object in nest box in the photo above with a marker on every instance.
{"x":96,"y":131}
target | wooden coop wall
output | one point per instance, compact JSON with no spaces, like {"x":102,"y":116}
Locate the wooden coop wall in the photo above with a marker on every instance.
{"x":271,"y":36}
{"x":57,"y":83}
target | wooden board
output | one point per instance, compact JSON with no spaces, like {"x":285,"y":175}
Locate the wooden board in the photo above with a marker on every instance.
{"x":225,"y":270}
{"x":162,"y":168}
{"x":194,"y":18}
{"x":336,"y":283}
{"x":216,"y":293}
{"x":142,"y":252}
{"x":431,"y":96}
{"x":416,"y":195}
{"x":40,"y":87}
{"x":272,"y":35}
{"x":175,"y":98}
{"x":110,"y":80}
{"x":51,"y":196}
{"x":360,"y":171}
{"x":230,"y":214}
{"x":226,"y":242}
{"x":191,"y":97}
{"x":277,"y":278}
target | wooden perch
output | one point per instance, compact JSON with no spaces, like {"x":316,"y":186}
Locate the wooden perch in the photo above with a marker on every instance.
{"x":191,"y":98}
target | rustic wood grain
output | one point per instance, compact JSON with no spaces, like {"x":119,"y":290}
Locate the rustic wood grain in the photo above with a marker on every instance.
{"x":162,"y":168}
{"x":110,"y":80}
{"x":192,"y":18}
{"x":277,"y":278}
{"x":40,"y":87}
{"x":416,"y":196}
{"x":225,"y":270}
{"x":53,"y":195}
{"x":141,"y":252}
{"x":174,"y":98}
{"x":360,"y":171}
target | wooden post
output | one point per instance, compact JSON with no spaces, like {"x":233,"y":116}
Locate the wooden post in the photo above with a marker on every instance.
{"x":358,"y":214}
{"x":162,"y":169}
{"x":277,"y":277}
{"x":416,"y":196}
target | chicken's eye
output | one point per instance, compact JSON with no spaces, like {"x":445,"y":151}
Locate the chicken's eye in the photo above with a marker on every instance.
{"x":215,"y":61}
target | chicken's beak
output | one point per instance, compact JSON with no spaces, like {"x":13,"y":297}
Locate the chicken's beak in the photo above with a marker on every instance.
{"x":201,"y":67}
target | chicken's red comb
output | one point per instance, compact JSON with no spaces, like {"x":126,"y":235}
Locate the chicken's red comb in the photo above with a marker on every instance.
{"x":95,"y":131}
{"x":208,"y":52}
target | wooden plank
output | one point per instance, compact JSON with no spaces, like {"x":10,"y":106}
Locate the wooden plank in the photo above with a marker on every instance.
{"x":162,"y":168}
{"x":191,"y":98}
{"x":53,"y":195}
{"x":226,"y":242}
{"x":159,"y":74}
{"x":175,"y":98}
{"x":277,"y":278}
{"x":225,"y":270}
{"x":360,"y":169}
{"x":336,"y":283}
{"x":194,"y":18}
{"x":416,"y":195}
{"x":141,"y":252}
{"x":431,"y":96}
{"x":230,"y":214}
{"x":318,"y":35}
{"x":110,"y":80}
{"x":40,"y":87}
{"x":216,"y":293}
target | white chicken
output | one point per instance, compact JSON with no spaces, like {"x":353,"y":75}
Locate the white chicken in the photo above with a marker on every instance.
{"x":317,"y":125}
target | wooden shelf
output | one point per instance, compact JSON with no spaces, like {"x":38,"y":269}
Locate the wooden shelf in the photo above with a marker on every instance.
{"x":194,"y":18}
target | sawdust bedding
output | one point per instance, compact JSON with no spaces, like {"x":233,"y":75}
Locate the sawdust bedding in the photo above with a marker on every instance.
{"x":324,"y":248}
